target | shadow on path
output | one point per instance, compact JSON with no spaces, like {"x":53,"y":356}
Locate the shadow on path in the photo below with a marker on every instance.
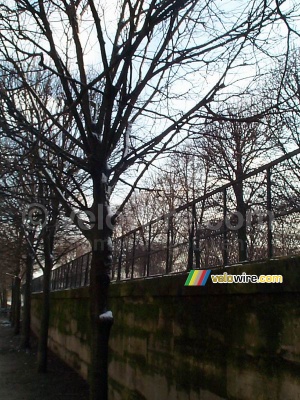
{"x":19,"y":379}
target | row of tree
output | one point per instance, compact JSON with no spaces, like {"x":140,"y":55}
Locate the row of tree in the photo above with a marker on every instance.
{"x":222,"y":152}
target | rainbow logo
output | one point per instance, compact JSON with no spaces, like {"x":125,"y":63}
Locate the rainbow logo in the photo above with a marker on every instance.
{"x":197,"y":277}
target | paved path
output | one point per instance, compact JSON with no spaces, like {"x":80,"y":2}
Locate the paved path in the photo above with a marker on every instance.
{"x":20,"y":381}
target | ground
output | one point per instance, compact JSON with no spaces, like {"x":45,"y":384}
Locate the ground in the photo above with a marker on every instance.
{"x":19,"y":379}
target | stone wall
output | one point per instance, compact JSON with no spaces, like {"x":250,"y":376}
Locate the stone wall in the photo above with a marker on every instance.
{"x":169,"y":342}
{"x":69,"y":326}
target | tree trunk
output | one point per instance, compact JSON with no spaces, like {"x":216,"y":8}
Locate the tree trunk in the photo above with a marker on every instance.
{"x":27,"y":298}
{"x":101,"y":320}
{"x":44,"y":327}
{"x":239,"y":194}
{"x":17,"y":305}
{"x":191,"y":250}
{"x":12,"y":305}
{"x":242,"y":233}
{"x":4,"y":298}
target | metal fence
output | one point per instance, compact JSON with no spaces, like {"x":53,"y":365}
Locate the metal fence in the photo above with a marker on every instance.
{"x":74,"y":274}
{"x":254,"y":218}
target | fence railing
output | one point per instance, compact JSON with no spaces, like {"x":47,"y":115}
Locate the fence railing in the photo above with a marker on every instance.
{"x":254,"y":218}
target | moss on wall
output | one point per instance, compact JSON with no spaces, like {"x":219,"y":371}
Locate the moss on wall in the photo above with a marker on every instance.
{"x":69,"y":328}
{"x":170,"y":341}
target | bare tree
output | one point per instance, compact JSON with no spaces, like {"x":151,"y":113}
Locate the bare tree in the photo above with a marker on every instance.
{"x":180,"y":179}
{"x":36,"y":206}
{"x":235,"y":147}
{"x":158,"y":67}
{"x":12,"y":253}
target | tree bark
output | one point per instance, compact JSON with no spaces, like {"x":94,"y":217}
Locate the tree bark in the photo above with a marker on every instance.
{"x":101,"y":318}
{"x":12,"y":305}
{"x":3,"y":298}
{"x":17,"y":305}
{"x":242,"y":232}
{"x":44,"y":327}
{"x":101,"y":323}
{"x":27,"y":297}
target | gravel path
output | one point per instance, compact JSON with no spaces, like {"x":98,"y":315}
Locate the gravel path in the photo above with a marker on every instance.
{"x":19,"y":379}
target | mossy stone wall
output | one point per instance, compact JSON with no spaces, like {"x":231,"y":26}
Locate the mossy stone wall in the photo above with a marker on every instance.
{"x":69,"y":326}
{"x":169,"y":342}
